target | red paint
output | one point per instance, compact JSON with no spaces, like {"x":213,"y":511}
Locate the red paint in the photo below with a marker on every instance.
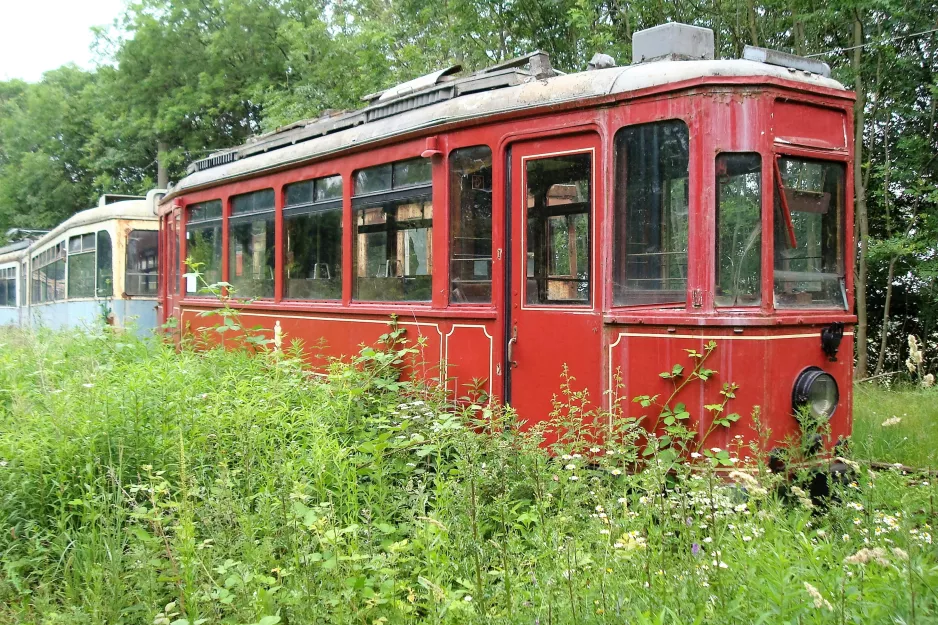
{"x":759,"y":348}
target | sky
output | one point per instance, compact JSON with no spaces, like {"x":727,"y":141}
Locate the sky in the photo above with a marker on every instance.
{"x":39,"y":35}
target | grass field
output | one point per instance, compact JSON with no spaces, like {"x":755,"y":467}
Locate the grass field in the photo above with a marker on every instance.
{"x":912,"y":441}
{"x":142,"y":485}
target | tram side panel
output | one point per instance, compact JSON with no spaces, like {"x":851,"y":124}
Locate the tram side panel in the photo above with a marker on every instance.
{"x":460,"y":354}
{"x":764,"y":364}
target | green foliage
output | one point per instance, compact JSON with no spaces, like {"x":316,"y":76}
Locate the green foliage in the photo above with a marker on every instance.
{"x":145,"y":484}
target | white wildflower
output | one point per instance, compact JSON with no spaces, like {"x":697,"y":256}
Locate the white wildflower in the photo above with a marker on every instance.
{"x":891,"y":421}
{"x":819,"y":600}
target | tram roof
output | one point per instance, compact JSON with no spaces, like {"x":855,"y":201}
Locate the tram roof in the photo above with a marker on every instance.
{"x":134,"y":209}
{"x":312,"y":139}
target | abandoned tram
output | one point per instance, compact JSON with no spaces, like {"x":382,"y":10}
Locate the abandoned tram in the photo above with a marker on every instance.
{"x":519,"y":219}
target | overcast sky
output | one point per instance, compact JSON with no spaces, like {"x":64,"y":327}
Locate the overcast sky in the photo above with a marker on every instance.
{"x":39,"y":35}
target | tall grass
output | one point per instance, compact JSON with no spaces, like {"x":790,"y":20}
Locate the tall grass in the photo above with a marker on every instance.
{"x":896,"y":425}
{"x":139,"y":484}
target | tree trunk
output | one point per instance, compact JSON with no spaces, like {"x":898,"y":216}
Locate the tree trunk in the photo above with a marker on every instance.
{"x":162,"y":173}
{"x":861,"y":226}
{"x":884,"y":330}
{"x":753,"y":29}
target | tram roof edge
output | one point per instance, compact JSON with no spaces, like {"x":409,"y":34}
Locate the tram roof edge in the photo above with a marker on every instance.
{"x":531,"y":94}
{"x":139,"y":210}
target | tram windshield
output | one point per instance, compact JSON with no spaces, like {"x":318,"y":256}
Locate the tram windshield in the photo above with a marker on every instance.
{"x":809,"y":234}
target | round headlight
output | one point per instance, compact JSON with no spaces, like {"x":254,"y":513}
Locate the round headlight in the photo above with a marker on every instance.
{"x":816,"y":390}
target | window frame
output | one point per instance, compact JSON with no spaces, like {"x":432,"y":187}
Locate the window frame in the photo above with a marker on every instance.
{"x":395,"y":194}
{"x":743,"y":307}
{"x":7,"y":275}
{"x":235,"y":219}
{"x":183,"y":226}
{"x":93,"y":252}
{"x":451,"y":219}
{"x":846,"y":238}
{"x":127,"y":264}
{"x":618,"y":196}
{"x":313,"y":207}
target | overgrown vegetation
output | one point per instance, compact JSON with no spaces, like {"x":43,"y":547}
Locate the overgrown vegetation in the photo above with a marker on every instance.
{"x":139,"y":484}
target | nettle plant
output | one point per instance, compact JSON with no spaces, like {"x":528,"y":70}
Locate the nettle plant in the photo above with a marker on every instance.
{"x":670,"y":437}
{"x":230,"y":324}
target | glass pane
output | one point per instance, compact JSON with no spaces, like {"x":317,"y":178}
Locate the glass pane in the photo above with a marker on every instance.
{"x":312,"y":268}
{"x":373,"y":179}
{"x":393,"y":250}
{"x":74,"y":245}
{"x":58,"y":272}
{"x":141,"y":268}
{"x":87,"y":242}
{"x":557,"y":241}
{"x":411,"y":173}
{"x":650,"y":238}
{"x":176,"y":260}
{"x":105,"y":273}
{"x":205,"y":210}
{"x":809,"y":234}
{"x":251,"y":258}
{"x":739,"y":230}
{"x":299,"y":193}
{"x":81,"y":270}
{"x":256,"y":202}
{"x":203,"y":250}
{"x":329,"y":188}
{"x":470,"y":204}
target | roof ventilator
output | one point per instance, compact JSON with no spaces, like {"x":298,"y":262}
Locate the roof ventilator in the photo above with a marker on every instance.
{"x":672,"y":42}
{"x":435,"y":87}
{"x":783,"y":59}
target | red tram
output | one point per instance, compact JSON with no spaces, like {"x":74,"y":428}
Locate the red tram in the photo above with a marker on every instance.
{"x":521,"y":219}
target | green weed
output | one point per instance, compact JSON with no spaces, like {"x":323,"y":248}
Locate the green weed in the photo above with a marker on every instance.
{"x":141,"y":484}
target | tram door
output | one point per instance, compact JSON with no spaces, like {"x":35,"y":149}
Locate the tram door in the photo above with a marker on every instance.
{"x":554,"y":298}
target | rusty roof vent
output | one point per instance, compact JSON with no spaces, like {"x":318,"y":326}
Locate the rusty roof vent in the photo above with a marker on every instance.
{"x":672,"y":42}
{"x":783,"y":59}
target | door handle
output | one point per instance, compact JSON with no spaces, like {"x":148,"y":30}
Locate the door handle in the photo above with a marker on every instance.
{"x":511,"y":347}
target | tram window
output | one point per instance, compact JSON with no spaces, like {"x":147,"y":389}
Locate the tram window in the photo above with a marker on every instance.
{"x":141,"y":270}
{"x":49,"y":275}
{"x":251,"y":244}
{"x":651,"y":214}
{"x":559,"y":203}
{"x":393,"y":233}
{"x":8,"y":286}
{"x":312,"y":224}
{"x":203,"y":242}
{"x":809,"y":234}
{"x":81,"y":266}
{"x":470,"y":264}
{"x":738,"y":230}
{"x":105,"y":272}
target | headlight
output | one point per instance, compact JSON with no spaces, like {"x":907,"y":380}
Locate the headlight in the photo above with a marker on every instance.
{"x":816,"y":390}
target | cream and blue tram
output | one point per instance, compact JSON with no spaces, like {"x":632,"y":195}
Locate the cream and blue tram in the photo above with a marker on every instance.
{"x":12,"y":290}
{"x":100,"y":265}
